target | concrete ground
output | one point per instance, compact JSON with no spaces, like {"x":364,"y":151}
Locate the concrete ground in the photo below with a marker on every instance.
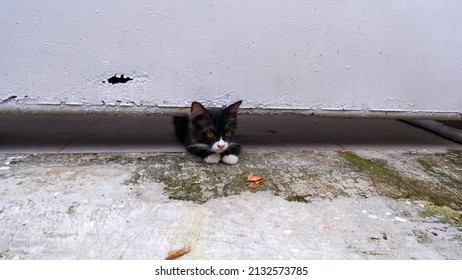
{"x":121,"y":187}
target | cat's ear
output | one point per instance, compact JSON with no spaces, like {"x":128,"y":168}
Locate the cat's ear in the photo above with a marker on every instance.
{"x":198,"y":111}
{"x":231,"y":110}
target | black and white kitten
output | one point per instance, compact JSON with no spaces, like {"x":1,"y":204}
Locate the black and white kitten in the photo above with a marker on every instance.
{"x":210,"y":133}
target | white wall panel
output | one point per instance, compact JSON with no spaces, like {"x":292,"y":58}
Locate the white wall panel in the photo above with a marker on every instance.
{"x":320,"y":56}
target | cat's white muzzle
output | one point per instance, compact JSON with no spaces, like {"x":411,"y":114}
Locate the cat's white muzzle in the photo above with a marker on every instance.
{"x":220,"y":146}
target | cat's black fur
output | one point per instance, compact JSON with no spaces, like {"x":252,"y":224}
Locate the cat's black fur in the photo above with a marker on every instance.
{"x":205,"y":130}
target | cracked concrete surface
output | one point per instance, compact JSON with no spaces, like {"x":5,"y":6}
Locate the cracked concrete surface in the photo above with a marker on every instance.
{"x":338,"y":192}
{"x":313,"y":205}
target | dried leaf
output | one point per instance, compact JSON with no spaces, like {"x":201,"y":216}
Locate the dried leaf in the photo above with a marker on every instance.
{"x":173,"y":254}
{"x":251,"y":185}
{"x":253,"y":181}
{"x":256,"y":179}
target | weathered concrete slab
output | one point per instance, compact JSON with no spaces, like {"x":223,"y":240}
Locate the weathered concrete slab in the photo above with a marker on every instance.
{"x":313,"y":205}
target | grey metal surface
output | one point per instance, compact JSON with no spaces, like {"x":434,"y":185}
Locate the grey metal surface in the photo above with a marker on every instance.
{"x":151,"y":133}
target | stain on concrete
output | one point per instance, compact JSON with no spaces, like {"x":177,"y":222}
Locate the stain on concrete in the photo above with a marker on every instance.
{"x":421,"y":236}
{"x":9,"y":256}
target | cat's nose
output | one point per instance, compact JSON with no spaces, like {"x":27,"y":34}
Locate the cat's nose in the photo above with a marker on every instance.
{"x":221,"y":146}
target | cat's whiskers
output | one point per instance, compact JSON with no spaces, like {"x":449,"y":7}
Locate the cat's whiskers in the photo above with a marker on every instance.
{"x":233,"y":145}
{"x":198,"y":147}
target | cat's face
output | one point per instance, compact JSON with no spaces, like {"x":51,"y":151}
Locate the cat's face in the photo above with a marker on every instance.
{"x":214,"y":129}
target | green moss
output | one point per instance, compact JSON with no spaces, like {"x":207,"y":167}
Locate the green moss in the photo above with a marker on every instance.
{"x":365,"y":164}
{"x":296,"y":198}
{"x":394,"y":184}
{"x":446,"y":214}
{"x":433,"y":168}
{"x":382,"y":174}
{"x":71,"y":210}
{"x":188,"y":178}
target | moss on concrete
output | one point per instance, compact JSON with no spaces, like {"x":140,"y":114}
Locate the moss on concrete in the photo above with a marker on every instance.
{"x":186,"y":179}
{"x":290,"y":175}
{"x":296,"y":198}
{"x":392,"y":183}
{"x":294,"y":175}
{"x":444,"y":213}
{"x":447,"y":167}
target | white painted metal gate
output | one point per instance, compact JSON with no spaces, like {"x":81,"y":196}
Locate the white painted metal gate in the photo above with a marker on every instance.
{"x":384,"y":58}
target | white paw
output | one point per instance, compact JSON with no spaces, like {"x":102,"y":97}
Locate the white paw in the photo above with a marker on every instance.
{"x":213,"y":158}
{"x":230,"y":159}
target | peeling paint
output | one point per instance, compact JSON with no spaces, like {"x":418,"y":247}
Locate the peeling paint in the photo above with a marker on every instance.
{"x":10,"y":98}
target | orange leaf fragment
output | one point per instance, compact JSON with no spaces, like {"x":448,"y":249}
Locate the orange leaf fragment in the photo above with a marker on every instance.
{"x":253,"y":181}
{"x":251,"y":185}
{"x":173,"y":254}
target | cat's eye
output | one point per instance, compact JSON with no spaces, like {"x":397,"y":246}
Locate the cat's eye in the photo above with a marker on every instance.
{"x":210,"y":134}
{"x":227,"y":133}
